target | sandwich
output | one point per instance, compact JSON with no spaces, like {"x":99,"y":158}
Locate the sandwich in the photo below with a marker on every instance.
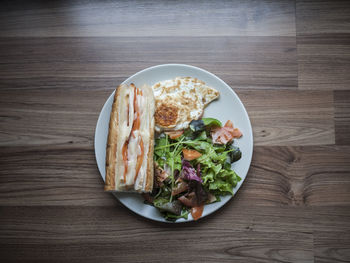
{"x":130,"y":144}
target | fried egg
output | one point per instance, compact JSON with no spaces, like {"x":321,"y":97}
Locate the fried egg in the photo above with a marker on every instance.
{"x":179,"y":101}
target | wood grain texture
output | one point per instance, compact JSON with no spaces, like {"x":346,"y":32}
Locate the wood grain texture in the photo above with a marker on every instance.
{"x":108,"y":234}
{"x":286,"y":176}
{"x":56,"y":116}
{"x":331,"y":228}
{"x":323,"y":38}
{"x":298,"y":176}
{"x":316,"y":17}
{"x":290,"y":117}
{"x":287,"y":60}
{"x":244,"y":62}
{"x":46,"y":175}
{"x":342,"y":117}
{"x":324,"y":66}
{"x":149,"y":18}
{"x":63,"y":116}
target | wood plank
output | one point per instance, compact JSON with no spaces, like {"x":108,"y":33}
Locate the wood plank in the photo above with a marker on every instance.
{"x":322,"y":17}
{"x":53,"y":116}
{"x":287,"y":60}
{"x":54,"y":176}
{"x":298,"y":176}
{"x":331,"y":228}
{"x":290,"y":117}
{"x":324,"y":66}
{"x":91,"y":234}
{"x":342,"y":117}
{"x":279,"y":176}
{"x":323,"y":39}
{"x":60,"y":116}
{"x":148,"y":18}
{"x":243,"y":62}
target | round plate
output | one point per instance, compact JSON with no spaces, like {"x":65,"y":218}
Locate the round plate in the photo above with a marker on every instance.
{"x":227,"y":107}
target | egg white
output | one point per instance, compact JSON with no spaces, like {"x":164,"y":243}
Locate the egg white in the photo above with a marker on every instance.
{"x":189,"y":95}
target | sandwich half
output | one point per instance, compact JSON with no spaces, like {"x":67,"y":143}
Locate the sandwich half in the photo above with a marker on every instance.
{"x":130,"y":144}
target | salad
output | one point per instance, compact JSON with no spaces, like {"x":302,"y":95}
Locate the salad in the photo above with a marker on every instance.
{"x":193,"y":168}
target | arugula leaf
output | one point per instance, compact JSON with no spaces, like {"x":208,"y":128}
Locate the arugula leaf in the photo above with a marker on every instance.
{"x":201,"y":146}
{"x":172,"y":217}
{"x":160,"y":201}
{"x":205,"y":161}
{"x":221,"y":158}
{"x":161,"y":142}
{"x":209,"y":122}
{"x":219,"y":148}
{"x":169,"y":153}
{"x":189,"y":134}
{"x":201,"y":137}
{"x":177,"y":162}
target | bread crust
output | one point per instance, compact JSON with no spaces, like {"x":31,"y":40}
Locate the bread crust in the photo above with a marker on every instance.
{"x":112,"y":144}
{"x":114,"y":163}
{"x":150,"y":168}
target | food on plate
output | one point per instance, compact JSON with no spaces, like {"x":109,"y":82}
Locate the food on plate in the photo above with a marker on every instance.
{"x":179,"y":101}
{"x":188,"y":164}
{"x":194,"y":168}
{"x":225,"y":134}
{"x":129,"y":155}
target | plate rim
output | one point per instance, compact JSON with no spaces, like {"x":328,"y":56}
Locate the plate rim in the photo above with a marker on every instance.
{"x":213,"y":76}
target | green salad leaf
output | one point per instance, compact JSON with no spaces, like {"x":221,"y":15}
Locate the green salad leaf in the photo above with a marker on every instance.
{"x":172,"y":217}
{"x":210,"y":122}
{"x":214,"y":165}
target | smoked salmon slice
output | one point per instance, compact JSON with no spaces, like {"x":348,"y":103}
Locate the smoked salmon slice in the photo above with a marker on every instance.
{"x":225,"y":134}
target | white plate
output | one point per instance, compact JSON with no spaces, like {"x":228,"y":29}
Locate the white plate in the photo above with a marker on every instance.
{"x":227,"y":107}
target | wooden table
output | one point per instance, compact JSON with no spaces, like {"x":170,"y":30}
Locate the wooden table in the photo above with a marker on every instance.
{"x":288,"y":61}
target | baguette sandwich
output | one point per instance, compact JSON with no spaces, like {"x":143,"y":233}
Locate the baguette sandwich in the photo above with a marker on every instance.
{"x":129,"y":156}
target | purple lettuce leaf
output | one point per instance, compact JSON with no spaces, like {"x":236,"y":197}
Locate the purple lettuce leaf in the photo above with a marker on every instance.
{"x":189,"y":173}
